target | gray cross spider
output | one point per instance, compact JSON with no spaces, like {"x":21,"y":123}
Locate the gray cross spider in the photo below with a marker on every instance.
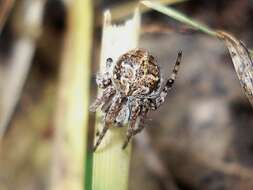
{"x":132,"y":87}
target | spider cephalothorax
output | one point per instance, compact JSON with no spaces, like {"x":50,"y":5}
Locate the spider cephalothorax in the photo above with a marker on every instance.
{"x":132,"y":86}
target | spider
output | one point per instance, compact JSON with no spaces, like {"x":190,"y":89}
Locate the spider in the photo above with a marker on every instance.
{"x":132,"y":86}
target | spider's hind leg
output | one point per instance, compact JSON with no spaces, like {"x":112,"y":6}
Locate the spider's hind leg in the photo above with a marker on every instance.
{"x":157,"y":101}
{"x":104,"y":82}
{"x":109,"y":119}
{"x":101,"y":136}
{"x":103,"y":79}
{"x":103,"y":98}
{"x":135,"y":126}
{"x":131,"y":133}
{"x":172,"y":77}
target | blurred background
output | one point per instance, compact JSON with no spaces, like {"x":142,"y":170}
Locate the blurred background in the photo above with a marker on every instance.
{"x":201,"y":138}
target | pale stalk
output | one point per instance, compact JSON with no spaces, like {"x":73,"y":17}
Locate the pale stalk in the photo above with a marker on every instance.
{"x":71,"y":125}
{"x":110,"y":162}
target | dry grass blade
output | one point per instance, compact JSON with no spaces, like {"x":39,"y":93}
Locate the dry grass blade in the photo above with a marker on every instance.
{"x":123,"y":10}
{"x":178,"y":16}
{"x":242,"y":62}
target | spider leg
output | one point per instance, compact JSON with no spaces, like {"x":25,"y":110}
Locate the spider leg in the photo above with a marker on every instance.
{"x":117,"y":103}
{"x":134,"y":120}
{"x":131,"y":133}
{"x":103,"y":80}
{"x":100,"y":137}
{"x":122,"y":116}
{"x":103,"y":98}
{"x":157,"y":101}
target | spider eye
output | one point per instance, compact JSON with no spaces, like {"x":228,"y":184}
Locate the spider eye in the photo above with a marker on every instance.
{"x":109,"y":62}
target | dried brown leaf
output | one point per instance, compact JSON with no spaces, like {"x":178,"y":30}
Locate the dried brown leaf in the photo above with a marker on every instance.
{"x":242,"y":62}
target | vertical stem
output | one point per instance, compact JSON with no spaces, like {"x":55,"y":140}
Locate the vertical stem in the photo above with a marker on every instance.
{"x":110,"y":162}
{"x":68,"y":163}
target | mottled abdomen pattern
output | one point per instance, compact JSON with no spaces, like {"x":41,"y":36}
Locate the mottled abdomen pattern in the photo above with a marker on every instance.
{"x":136,"y":73}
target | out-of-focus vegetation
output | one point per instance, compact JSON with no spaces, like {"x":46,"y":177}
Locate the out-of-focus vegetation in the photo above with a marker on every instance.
{"x":201,"y":138}
{"x":71,"y":120}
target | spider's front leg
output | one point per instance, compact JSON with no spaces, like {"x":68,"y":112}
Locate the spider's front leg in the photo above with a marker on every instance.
{"x":103,"y":98}
{"x":104,"y":82}
{"x":110,"y":117}
{"x":137,"y":114}
{"x":157,"y":101}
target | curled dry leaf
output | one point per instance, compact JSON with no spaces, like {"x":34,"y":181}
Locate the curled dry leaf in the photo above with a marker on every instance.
{"x":242,"y":62}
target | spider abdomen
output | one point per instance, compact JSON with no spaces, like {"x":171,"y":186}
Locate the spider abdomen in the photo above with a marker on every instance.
{"x":136,"y":73}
